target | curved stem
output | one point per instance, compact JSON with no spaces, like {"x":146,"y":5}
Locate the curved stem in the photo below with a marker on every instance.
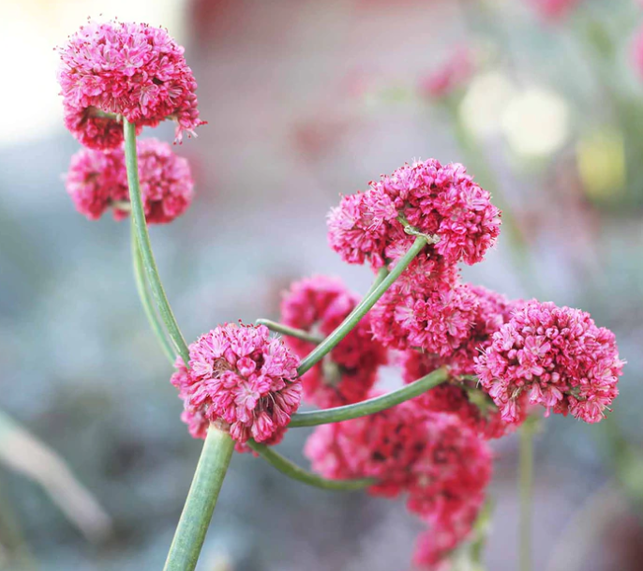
{"x":202,"y":498}
{"x":361,"y":309}
{"x":146,"y":302}
{"x":143,"y":237}
{"x":525,"y":488}
{"x":370,"y":406}
{"x":290,"y":331}
{"x":293,"y":471}
{"x":379,"y":278}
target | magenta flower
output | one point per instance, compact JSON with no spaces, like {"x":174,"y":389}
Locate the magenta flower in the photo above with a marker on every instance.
{"x":133,"y":70}
{"x":441,"y":202}
{"x":450,"y":76}
{"x":241,"y":379}
{"x":318,"y":305}
{"x":97,"y":181}
{"x":553,"y":10}
{"x":555,"y":355}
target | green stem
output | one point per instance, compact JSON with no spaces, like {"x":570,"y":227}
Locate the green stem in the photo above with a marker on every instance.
{"x":379,"y":278}
{"x":370,"y":406}
{"x":148,"y":307}
{"x":361,"y":309}
{"x":202,"y":498}
{"x":525,"y":489}
{"x":290,"y":331}
{"x":293,"y":471}
{"x":143,"y":237}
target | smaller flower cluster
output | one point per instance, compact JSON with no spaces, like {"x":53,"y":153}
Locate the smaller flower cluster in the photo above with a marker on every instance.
{"x":450,"y":76}
{"x":318,"y":305}
{"x":441,"y":202}
{"x":554,"y":10}
{"x":555,"y":355}
{"x":97,"y":181}
{"x":241,"y":379}
{"x":124,"y":69}
{"x":438,"y":462}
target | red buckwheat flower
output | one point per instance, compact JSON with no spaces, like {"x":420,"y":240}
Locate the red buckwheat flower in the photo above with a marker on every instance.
{"x":242,"y":379}
{"x":556,"y":355}
{"x":133,"y":70}
{"x":441,"y":202}
{"x":554,"y":10}
{"x":97,"y":181}
{"x":318,"y":305}
{"x":435,"y":319}
{"x":451,"y":76}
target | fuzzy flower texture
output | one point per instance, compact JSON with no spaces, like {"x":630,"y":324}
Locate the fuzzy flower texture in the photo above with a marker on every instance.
{"x":241,"y":379}
{"x":97,"y":181}
{"x":439,"y":201}
{"x":124,"y":69}
{"x":555,"y":355}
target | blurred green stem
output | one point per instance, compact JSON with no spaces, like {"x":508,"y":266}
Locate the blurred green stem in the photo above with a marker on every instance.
{"x":293,"y":471}
{"x":525,"y":485}
{"x":145,"y":247}
{"x":371,"y":406}
{"x":148,"y":306}
{"x":20,"y":557}
{"x":362,"y":308}
{"x":201,"y":501}
{"x":290,"y":331}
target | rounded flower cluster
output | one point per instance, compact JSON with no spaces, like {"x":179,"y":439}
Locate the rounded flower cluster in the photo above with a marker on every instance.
{"x":460,"y":397}
{"x":97,"y":181}
{"x":554,"y":9}
{"x":318,"y":305}
{"x":241,"y":379}
{"x":441,"y":202}
{"x":132,"y":70}
{"x":450,"y":76}
{"x":437,"y":461}
{"x":555,"y":355}
{"x":435,"y":320}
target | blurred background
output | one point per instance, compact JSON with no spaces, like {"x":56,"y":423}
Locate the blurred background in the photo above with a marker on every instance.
{"x":541,"y":99}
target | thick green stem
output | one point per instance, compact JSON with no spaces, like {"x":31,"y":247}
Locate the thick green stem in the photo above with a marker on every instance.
{"x":293,"y":471}
{"x":138,"y":215}
{"x":290,"y":331}
{"x":202,"y":498}
{"x":146,"y":302}
{"x":370,"y":406}
{"x":361,"y":309}
{"x":525,"y":489}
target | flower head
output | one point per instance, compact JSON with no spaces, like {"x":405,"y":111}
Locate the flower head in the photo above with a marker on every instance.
{"x":320,"y":304}
{"x":97,"y":181}
{"x":450,"y":76}
{"x":553,"y":10}
{"x":134,"y":70}
{"x":555,"y":355}
{"x":441,"y":202}
{"x":242,"y":379}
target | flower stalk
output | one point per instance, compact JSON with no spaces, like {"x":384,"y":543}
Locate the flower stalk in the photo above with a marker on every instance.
{"x":143,"y":237}
{"x":370,"y":406}
{"x":201,"y":501}
{"x":525,"y":484}
{"x":293,"y":471}
{"x":362,"y":308}
{"x":290,"y":331}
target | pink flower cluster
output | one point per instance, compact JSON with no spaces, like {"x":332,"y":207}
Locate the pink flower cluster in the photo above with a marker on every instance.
{"x":438,"y":462}
{"x":450,"y":76}
{"x":243,"y":380}
{"x":123,"y":69}
{"x":555,"y":355}
{"x":554,"y":9}
{"x":441,"y":202}
{"x":97,"y":181}
{"x":318,"y":305}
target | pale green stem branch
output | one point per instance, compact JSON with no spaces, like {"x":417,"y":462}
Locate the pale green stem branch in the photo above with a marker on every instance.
{"x":146,"y":302}
{"x":370,"y":406}
{"x":201,"y":501}
{"x":293,"y":471}
{"x":143,"y":237}
{"x":361,"y":309}
{"x":290,"y":331}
